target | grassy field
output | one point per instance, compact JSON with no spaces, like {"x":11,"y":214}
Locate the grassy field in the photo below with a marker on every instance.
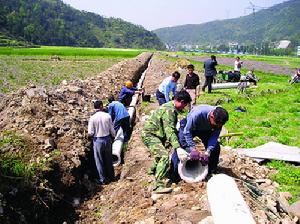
{"x":273,"y":114}
{"x":291,"y":62}
{"x":20,"y":66}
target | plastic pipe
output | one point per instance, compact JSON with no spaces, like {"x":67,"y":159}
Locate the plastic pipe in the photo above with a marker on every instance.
{"x":192,"y":171}
{"x":226,"y":202}
{"x":228,"y":85}
{"x":119,"y":139}
{"x":117,"y":147}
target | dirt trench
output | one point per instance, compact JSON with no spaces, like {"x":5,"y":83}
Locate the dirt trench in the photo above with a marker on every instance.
{"x":130,"y":199}
{"x":54,"y":122}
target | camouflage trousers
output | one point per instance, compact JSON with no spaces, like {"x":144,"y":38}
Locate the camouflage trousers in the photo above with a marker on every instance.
{"x":161,"y":162}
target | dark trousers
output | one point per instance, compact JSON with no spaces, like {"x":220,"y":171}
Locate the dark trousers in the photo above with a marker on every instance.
{"x":160,"y":98}
{"x":124,"y":123}
{"x":204,"y":136}
{"x":103,"y":158}
{"x":208,"y":82}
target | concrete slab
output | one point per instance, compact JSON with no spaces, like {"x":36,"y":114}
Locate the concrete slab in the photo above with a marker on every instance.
{"x":273,"y":150}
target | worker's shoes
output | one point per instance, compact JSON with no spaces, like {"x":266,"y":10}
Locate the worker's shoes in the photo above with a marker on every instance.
{"x":163,"y":190}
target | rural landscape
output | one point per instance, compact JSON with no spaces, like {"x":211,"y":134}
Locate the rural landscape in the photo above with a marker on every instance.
{"x":57,"y":61}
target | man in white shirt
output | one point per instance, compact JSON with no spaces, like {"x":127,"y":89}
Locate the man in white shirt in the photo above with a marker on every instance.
{"x":238,"y":65}
{"x":101,"y":128}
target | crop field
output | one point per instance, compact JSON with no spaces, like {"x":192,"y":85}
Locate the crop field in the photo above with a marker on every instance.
{"x":291,"y":62}
{"x":51,"y":65}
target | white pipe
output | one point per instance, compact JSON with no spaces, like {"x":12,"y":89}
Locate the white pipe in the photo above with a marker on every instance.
{"x":119,"y":139}
{"x":227,"y":204}
{"x":192,"y":171}
{"x":117,"y":147}
{"x":228,"y":85}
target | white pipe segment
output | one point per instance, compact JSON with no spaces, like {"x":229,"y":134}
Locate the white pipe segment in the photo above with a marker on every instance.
{"x":226,"y":202}
{"x":192,"y":171}
{"x":228,"y":85}
{"x":117,"y":147}
{"x":119,"y":139}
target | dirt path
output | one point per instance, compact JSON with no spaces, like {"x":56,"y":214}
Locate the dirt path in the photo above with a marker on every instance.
{"x":249,"y":64}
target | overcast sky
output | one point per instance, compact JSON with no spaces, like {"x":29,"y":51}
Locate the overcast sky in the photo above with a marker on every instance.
{"x":155,"y":14}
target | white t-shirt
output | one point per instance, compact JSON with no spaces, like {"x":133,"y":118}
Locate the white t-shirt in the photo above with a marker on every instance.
{"x":100,"y":125}
{"x":237,"y":65}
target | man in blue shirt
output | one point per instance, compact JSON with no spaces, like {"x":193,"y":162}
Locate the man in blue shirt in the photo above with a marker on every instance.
{"x":210,"y":71}
{"x":120,"y":117}
{"x":168,"y":85}
{"x":127,"y":92}
{"x":206,"y":122}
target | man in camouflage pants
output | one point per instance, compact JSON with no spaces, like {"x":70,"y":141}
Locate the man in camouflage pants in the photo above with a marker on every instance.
{"x":159,"y":132}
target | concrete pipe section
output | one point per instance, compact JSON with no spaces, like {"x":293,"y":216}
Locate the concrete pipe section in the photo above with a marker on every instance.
{"x":192,"y":171}
{"x":228,"y":85}
{"x":119,"y":139}
{"x":117,"y":147}
{"x":226,"y":202}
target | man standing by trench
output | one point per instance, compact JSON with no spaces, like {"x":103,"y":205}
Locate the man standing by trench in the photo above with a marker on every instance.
{"x":160,"y":136}
{"x":191,"y":83}
{"x":210,"y":71}
{"x":100,"y":127}
{"x":206,"y":122}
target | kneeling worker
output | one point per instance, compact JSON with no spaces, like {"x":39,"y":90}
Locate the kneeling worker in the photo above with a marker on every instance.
{"x":159,"y":129}
{"x":205,"y":122}
{"x":127,"y":93}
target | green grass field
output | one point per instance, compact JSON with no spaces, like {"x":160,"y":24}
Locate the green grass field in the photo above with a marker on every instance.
{"x":21,"y":66}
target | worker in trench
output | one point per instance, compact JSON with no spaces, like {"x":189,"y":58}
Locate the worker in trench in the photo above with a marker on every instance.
{"x":205,"y":122}
{"x":100,"y":128}
{"x":127,"y":92}
{"x":160,"y":136}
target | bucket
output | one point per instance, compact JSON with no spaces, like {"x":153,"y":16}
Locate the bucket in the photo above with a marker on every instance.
{"x":146,"y":98}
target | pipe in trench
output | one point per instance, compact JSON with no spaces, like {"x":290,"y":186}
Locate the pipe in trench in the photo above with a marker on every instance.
{"x":119,"y":139}
{"x":229,"y":85}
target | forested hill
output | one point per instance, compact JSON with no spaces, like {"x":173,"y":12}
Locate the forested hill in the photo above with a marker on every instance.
{"x":52,"y":22}
{"x":281,"y":21}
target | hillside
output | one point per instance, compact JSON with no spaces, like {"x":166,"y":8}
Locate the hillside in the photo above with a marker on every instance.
{"x":51,"y":22}
{"x":281,"y":21}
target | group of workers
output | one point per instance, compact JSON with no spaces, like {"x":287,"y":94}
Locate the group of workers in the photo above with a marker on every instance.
{"x":167,"y":144}
{"x":103,"y":126}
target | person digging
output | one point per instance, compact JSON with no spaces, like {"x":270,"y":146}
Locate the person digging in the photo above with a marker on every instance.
{"x":159,"y":132}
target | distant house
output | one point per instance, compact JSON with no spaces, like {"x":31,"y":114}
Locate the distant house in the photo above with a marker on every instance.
{"x":284,"y":44}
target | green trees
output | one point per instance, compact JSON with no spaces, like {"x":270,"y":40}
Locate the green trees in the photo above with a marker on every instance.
{"x":51,"y":22}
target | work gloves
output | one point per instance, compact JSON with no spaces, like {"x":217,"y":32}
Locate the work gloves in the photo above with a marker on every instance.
{"x":182,"y":154}
{"x":202,"y":157}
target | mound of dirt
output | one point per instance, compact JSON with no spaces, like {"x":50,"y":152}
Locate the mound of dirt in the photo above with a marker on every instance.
{"x":55,"y":119}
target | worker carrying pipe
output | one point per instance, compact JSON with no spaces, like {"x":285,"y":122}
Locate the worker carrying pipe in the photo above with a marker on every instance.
{"x":160,"y":132}
{"x":206,"y":122}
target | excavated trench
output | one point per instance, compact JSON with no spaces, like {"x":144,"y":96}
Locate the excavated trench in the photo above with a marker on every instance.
{"x":54,"y":196}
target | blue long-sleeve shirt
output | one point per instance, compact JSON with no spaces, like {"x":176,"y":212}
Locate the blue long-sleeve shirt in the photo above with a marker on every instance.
{"x":198,"y":121}
{"x":117,"y":111}
{"x":167,"y":86}
{"x":210,"y":67}
{"x":126,"y":92}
